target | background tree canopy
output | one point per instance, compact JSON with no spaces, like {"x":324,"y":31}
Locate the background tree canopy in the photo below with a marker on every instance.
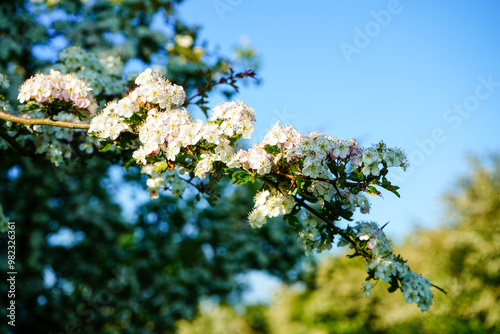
{"x":83,"y":267}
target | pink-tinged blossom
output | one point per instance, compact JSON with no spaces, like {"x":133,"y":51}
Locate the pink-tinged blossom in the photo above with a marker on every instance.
{"x":45,"y":88}
{"x":259,"y":160}
{"x":285,"y":137}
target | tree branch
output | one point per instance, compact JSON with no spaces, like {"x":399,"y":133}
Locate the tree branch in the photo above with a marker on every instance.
{"x":332,"y":182}
{"x":43,"y":121}
{"x":337,"y":230}
{"x":306,"y":206}
{"x":440,"y":289}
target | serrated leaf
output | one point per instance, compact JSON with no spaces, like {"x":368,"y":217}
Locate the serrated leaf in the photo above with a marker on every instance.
{"x":241,"y":177}
{"x":387,"y":185}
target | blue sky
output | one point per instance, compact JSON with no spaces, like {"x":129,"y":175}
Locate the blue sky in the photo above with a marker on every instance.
{"x":418,"y":75}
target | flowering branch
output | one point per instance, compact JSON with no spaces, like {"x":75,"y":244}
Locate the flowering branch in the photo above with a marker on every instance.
{"x":296,"y":169}
{"x":331,"y":224}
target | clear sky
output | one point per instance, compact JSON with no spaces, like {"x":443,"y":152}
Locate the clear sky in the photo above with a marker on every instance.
{"x":420,"y":75}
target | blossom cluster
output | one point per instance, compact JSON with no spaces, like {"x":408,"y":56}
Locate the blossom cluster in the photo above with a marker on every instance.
{"x":47,"y":88}
{"x":70,"y":98}
{"x":161,"y":180}
{"x":67,"y":96}
{"x":174,"y":130}
{"x":166,"y":129}
{"x":269,"y":206}
{"x":373,"y":157}
{"x":234,"y":118}
{"x":311,"y":157}
{"x":385,"y":265}
{"x":115,"y":117}
{"x":58,"y":144}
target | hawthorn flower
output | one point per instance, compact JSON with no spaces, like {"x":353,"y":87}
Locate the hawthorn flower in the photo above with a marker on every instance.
{"x":126,"y":107}
{"x":258,"y":159}
{"x":235,"y":118}
{"x":261,"y":197}
{"x":342,"y":149}
{"x":257,"y":217}
{"x":4,"y":81}
{"x":190,"y":134}
{"x":371,"y":168}
{"x":154,"y":88}
{"x":184,"y":41}
{"x":205,"y":165}
{"x":312,"y":168}
{"x":363,"y":203}
{"x":267,"y":205}
{"x":370,"y":156}
{"x":275,"y":135}
{"x":309,"y":220}
{"x":224,"y":150}
{"x":168,"y":179}
{"x":367,"y":287}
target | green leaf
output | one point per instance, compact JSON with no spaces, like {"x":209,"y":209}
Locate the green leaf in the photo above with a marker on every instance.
{"x":387,"y":185}
{"x":242,"y":177}
{"x":394,"y":284}
{"x":292,"y":220}
{"x":161,"y":166}
{"x":372,"y":190}
{"x":106,"y":148}
{"x":271,"y":149}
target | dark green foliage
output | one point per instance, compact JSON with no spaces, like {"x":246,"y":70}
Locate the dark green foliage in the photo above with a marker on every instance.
{"x":122,"y":276}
